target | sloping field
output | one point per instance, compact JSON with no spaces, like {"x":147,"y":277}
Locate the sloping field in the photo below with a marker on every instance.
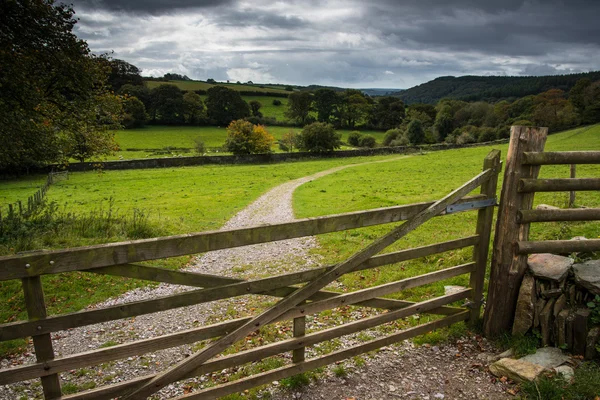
{"x":200,"y":85}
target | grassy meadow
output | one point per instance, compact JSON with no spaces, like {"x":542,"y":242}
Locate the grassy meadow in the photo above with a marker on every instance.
{"x":200,"y":85}
{"x":430,"y":177}
{"x":97,"y":207}
{"x":153,"y":141}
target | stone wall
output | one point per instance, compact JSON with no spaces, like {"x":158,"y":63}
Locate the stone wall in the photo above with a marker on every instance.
{"x":557,"y":301}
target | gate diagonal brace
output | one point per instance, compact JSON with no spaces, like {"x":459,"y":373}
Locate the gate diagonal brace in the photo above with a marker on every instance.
{"x":472,"y":205}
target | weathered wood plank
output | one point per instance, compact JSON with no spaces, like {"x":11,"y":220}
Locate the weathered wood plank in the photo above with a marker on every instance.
{"x":485,"y":218}
{"x":193,"y":362}
{"x":558,"y":185}
{"x":283,"y":372}
{"x":89,"y":257}
{"x":561,"y":157}
{"x":270,"y":286}
{"x":111,"y":391}
{"x":558,"y":246}
{"x":571,"y":214}
{"x":573,"y":170}
{"x":507,"y":268}
{"x":42,"y":343}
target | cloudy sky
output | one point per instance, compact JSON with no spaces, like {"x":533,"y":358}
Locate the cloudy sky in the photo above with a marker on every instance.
{"x":349,"y":43}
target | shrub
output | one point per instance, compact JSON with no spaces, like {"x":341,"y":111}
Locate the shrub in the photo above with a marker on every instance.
{"x":367,"y":141}
{"x":199,"y":146}
{"x":289,"y":141}
{"x":415,"y":132}
{"x":354,"y":138}
{"x":402,"y":140}
{"x":390,"y":136}
{"x":276,"y":102}
{"x":318,"y":137}
{"x":486,"y":135}
{"x":245,"y":138}
{"x":465,"y":138}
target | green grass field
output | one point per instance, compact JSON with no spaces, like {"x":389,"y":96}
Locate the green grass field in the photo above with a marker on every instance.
{"x":145,"y":140}
{"x":179,"y":200}
{"x":427,"y":178}
{"x":199,"y":85}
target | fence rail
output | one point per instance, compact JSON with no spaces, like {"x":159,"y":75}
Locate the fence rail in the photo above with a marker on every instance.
{"x":119,"y":259}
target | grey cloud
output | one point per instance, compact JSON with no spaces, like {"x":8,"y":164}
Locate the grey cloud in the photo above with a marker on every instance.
{"x":150,"y":7}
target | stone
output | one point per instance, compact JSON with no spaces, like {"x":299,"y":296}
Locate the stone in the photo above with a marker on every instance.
{"x":566,"y":372}
{"x":570,"y":322}
{"x":561,"y":328}
{"x":546,"y":207}
{"x":524,"y":311}
{"x":452,"y":289}
{"x":580,"y":331}
{"x":560,"y":304}
{"x":539,"y":306}
{"x":587,"y":275}
{"x":517,"y":370}
{"x":551,"y":293}
{"x":579,"y":238}
{"x":547,"y":323}
{"x":549,"y":266}
{"x":547,"y":357}
{"x":591,"y":342}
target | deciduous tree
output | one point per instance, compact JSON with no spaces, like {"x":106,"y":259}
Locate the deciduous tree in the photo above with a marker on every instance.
{"x":224,"y":105}
{"x":245,"y":138}
{"x":319,"y":137}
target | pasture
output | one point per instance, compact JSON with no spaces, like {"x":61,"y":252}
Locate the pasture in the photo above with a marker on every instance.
{"x":178,"y":200}
{"x":145,"y":142}
{"x":200,"y":85}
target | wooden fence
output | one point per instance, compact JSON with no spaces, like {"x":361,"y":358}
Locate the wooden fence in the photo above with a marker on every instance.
{"x":297,"y":301}
{"x":511,"y":244}
{"x":18,"y":210}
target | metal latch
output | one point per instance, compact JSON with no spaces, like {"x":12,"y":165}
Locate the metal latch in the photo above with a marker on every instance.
{"x":473,"y":205}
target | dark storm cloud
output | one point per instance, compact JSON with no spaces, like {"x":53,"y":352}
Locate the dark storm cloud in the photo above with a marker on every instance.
{"x":346,"y":42}
{"x":151,"y":7}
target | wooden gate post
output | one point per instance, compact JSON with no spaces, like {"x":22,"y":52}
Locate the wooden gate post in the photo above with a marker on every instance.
{"x":36,"y":309}
{"x":485,"y":218}
{"x":508,"y":267}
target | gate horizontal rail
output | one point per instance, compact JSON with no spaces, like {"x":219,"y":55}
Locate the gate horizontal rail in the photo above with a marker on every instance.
{"x":119,"y":259}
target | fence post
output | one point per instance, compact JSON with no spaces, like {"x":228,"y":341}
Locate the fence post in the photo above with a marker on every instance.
{"x":20,"y":208}
{"x":298,"y":355}
{"x":508,"y":267}
{"x":572,"y":193}
{"x":485,"y":217}
{"x":36,"y":310}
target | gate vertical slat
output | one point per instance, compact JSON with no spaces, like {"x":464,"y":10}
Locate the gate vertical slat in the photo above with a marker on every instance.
{"x":298,"y":355}
{"x":36,"y":309}
{"x":485,"y":218}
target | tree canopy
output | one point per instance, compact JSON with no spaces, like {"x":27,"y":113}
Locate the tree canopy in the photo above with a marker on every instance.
{"x":53,"y":89}
{"x":224,"y":105}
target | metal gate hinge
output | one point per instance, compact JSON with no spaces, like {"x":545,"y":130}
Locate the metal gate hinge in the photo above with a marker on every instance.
{"x":472,"y":205}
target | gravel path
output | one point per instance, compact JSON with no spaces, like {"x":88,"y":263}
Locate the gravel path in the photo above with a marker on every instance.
{"x":245,"y":262}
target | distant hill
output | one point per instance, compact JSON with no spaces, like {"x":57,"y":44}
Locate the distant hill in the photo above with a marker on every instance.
{"x":266,"y":90}
{"x":380,"y":92}
{"x":489,"y":88}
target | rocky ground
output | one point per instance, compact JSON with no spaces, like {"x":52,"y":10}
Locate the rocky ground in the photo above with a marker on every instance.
{"x":451,"y":371}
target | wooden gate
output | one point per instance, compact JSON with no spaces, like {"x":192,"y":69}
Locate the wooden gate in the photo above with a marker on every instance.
{"x":297,"y":301}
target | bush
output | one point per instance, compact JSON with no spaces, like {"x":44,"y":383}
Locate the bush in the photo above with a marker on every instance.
{"x":465,"y":138}
{"x":367,"y":141}
{"x":276,"y":102}
{"x":390,"y":136}
{"x":402,"y":140}
{"x":354,"y":138}
{"x":486,"y":135}
{"x":245,"y":138}
{"x":318,"y":137}
{"x":199,"y":146}
{"x":415,"y":132}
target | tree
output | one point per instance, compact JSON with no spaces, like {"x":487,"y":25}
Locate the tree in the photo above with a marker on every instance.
{"x":319,"y":137}
{"x":123,"y":73}
{"x":255,"y":106}
{"x":167,"y":104}
{"x":245,"y":138}
{"x":135,"y":112}
{"x":224,"y":105}
{"x":354,"y":108}
{"x":299,"y":106}
{"x":443,"y":124}
{"x":52,"y":87}
{"x":415,"y":132}
{"x":388,"y":113}
{"x":289,"y":141}
{"x":211,"y":81}
{"x":325,"y":103}
{"x":193,"y":108}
